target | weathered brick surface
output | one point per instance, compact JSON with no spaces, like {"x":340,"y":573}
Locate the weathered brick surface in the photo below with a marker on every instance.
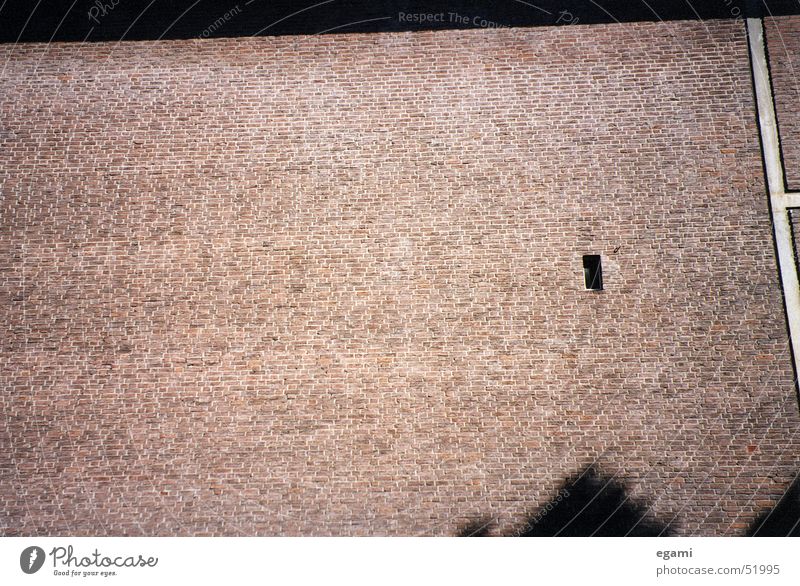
{"x":333,"y":285}
{"x":783,"y":43}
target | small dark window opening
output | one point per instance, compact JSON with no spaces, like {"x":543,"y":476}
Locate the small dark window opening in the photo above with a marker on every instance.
{"x":593,"y":272}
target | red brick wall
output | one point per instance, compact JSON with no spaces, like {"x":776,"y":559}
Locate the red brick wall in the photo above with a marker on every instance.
{"x":333,"y":285}
{"x":783,"y":43}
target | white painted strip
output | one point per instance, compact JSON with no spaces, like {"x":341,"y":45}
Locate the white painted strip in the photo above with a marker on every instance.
{"x":788,"y":200}
{"x":788,"y":269}
{"x":779,"y":199}
{"x":766,"y":108}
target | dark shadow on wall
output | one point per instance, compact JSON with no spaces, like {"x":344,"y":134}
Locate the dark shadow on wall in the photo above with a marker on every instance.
{"x":783,"y":520}
{"x":586,"y":505}
{"x":592,"y":505}
{"x":479,"y":528}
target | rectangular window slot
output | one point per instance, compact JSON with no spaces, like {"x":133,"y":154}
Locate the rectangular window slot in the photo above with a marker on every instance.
{"x":593,"y":272}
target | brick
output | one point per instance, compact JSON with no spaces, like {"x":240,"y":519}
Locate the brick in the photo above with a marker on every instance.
{"x":333,"y":284}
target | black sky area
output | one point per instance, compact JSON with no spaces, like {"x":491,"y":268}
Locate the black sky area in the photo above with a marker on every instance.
{"x":121,"y":20}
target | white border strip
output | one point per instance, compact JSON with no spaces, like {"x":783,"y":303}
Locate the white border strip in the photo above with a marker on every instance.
{"x":382,"y":561}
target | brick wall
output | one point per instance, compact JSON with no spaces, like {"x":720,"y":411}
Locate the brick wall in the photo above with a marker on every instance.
{"x":783,"y":43}
{"x":333,"y":285}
